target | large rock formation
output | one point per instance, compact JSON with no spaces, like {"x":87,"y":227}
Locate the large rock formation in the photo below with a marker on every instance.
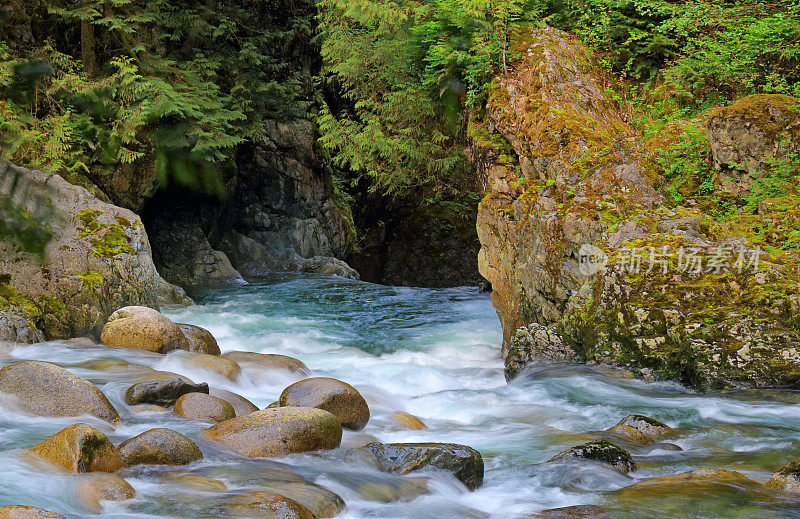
{"x":590,"y":260}
{"x":98,"y":259}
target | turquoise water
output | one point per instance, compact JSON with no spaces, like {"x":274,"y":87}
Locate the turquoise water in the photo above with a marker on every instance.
{"x":433,"y":353}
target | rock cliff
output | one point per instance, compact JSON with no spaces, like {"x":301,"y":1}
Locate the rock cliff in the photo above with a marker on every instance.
{"x":592,"y":256}
{"x":97,"y":258}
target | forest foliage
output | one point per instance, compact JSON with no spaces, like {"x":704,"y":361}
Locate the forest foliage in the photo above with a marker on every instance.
{"x":92,"y":85}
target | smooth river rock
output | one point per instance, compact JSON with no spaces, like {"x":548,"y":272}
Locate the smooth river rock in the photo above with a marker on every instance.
{"x":79,"y":448}
{"x":240,"y":404}
{"x":162,"y":392}
{"x":332,"y":395}
{"x":103,"y":487}
{"x":49,"y":390}
{"x":199,"y":340}
{"x":220,"y":365}
{"x":269,"y":505}
{"x":409,"y":421}
{"x":142,"y":328}
{"x":599,"y":451}
{"x":465,"y":463}
{"x":27,"y":512}
{"x":278,"y":431}
{"x":159,"y":447}
{"x":573,"y":512}
{"x":203,"y":407}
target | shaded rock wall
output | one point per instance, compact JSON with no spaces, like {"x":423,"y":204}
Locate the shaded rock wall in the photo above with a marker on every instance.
{"x":560,"y":238}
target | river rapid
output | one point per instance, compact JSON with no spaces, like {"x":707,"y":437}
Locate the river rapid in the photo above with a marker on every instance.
{"x":433,"y":353}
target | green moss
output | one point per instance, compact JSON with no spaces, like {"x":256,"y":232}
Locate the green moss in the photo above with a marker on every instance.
{"x":108,"y":241}
{"x":90,"y":279}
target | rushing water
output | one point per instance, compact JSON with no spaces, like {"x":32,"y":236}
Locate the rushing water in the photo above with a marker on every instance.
{"x":434,"y":354}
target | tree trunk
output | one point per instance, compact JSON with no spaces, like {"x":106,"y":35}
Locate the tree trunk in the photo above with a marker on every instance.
{"x":88,"y":58}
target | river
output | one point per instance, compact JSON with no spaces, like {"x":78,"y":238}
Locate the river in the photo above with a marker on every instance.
{"x":433,"y":353}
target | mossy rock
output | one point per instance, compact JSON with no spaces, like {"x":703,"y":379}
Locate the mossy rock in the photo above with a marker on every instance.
{"x":599,"y":451}
{"x":787,"y":478}
{"x":650,"y":427}
{"x":79,"y":448}
{"x":332,"y":395}
{"x":159,"y":447}
{"x":49,"y":390}
{"x":278,"y":431}
{"x":573,"y":512}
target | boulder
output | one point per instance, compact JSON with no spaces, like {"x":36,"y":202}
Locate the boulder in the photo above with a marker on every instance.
{"x":103,"y":487}
{"x":465,"y":463}
{"x":204,"y":407}
{"x":142,"y":328}
{"x":787,"y":478}
{"x":327,"y":266}
{"x":97,"y":259}
{"x":164,"y":392}
{"x":159,"y":447}
{"x":409,"y":421}
{"x":240,"y":404}
{"x":321,"y":502}
{"x":199,"y":340}
{"x":278,"y":431}
{"x":268,"y":361}
{"x":220,"y":365}
{"x":49,"y":390}
{"x":337,"y":397}
{"x":573,"y":512}
{"x":79,"y":448}
{"x":599,"y":451}
{"x":27,"y":512}
{"x":267,"y":504}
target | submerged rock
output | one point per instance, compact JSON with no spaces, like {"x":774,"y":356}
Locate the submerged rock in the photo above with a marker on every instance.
{"x":787,"y":478}
{"x":240,"y":404}
{"x":465,"y":463}
{"x":196,"y":482}
{"x":599,"y":451}
{"x":401,"y":489}
{"x":163,"y":392}
{"x":49,"y":390}
{"x":268,"y":361}
{"x":220,"y":365}
{"x":103,"y":487}
{"x":79,"y":448}
{"x":27,"y":512}
{"x":143,"y":328}
{"x":409,"y":421}
{"x":267,"y":504}
{"x":159,"y":447}
{"x":204,"y":407}
{"x":148,"y":408}
{"x":279,"y":431}
{"x":199,"y":340}
{"x":337,"y":397}
{"x":700,"y":481}
{"x":573,"y":512}
{"x":320,"y":501}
